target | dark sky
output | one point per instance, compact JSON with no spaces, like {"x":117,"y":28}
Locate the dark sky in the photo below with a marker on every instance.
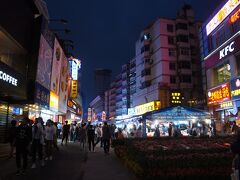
{"x":105,"y":31}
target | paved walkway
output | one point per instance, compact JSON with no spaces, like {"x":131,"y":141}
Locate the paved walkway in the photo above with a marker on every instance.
{"x":105,"y":167}
{"x":70,"y":163}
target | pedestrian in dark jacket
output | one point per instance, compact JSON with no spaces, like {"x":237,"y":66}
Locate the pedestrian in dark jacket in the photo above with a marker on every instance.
{"x":65,"y":133}
{"x":12,"y":137}
{"x":82,"y":136}
{"x":91,"y":135}
{"x":23,"y":138}
{"x":106,"y":137}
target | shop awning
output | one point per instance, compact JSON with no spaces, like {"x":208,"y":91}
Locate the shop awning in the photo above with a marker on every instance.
{"x":178,"y":113}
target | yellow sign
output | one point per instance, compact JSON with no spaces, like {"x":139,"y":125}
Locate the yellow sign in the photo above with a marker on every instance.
{"x":74,"y":89}
{"x":148,"y":107}
{"x":176,"y":98}
{"x":226,"y":104}
{"x":53,"y":100}
{"x":221,"y":15}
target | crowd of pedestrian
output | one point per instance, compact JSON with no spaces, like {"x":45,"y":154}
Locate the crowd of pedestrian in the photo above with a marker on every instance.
{"x":32,"y":139}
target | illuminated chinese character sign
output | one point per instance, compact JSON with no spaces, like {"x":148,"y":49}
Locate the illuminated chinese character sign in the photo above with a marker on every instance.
{"x":75,"y":65}
{"x":74,"y":89}
{"x":148,"y":107}
{"x":176,"y":98}
{"x":221,"y":15}
{"x":235,"y":88}
{"x":219,"y":94}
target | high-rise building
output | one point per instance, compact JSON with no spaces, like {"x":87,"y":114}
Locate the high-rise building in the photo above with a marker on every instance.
{"x":221,"y":62}
{"x":102,"y":80}
{"x":168,"y":60}
{"x":110,"y":101}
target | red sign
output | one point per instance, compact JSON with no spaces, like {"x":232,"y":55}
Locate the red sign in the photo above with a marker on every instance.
{"x":228,"y":49}
{"x":219,"y":94}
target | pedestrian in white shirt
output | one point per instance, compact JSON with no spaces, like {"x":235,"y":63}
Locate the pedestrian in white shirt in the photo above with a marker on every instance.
{"x":49,"y":135}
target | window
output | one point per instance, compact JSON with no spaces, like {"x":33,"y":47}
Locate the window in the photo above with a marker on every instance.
{"x":146,"y":72}
{"x":145,"y":48}
{"x":182,"y":38}
{"x":173,"y":79}
{"x":182,"y":26}
{"x":192,"y":36}
{"x":145,"y":84}
{"x":171,"y":52}
{"x":145,"y":37}
{"x":193,"y":51}
{"x":172,"y":66}
{"x":169,"y":27}
{"x":170,"y":40}
{"x":184,"y":51}
{"x":186,"y":79}
{"x":223,"y":72}
{"x":185,"y":65}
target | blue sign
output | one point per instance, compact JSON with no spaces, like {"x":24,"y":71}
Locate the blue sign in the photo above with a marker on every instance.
{"x":17,"y":111}
{"x":235,"y":88}
{"x":42,"y":95}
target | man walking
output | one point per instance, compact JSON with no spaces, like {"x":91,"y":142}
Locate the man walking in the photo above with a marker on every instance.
{"x":65,"y":133}
{"x":106,"y":137}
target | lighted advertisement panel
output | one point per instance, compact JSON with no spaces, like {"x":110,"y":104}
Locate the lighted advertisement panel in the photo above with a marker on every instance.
{"x":63,"y":86}
{"x":148,"y":107}
{"x":42,"y":95}
{"x":56,"y":67}
{"x":219,"y":94}
{"x":74,"y":89}
{"x":223,"y":52}
{"x":75,"y":65}
{"x":235,"y":88}
{"x":44,"y":63}
{"x":53,"y":101}
{"x":221,"y":15}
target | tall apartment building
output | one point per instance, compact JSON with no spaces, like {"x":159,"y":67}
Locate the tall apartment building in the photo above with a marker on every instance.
{"x":220,"y":46}
{"x":118,"y":86}
{"x":132,"y":81}
{"x":168,"y":60}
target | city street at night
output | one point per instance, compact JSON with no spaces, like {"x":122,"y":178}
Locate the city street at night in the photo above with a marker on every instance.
{"x":122,"y":90}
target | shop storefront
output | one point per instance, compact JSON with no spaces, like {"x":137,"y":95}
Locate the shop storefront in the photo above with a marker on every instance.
{"x":12,"y":93}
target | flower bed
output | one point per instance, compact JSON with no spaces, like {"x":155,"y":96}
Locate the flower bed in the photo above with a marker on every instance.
{"x":182,"y":158}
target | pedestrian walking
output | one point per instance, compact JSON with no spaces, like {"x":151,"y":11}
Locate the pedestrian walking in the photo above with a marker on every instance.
{"x":59,"y":130}
{"x":37,"y":141}
{"x":12,"y":137}
{"x":49,"y":135}
{"x":82,"y":136}
{"x":55,"y":145}
{"x":23,"y":138}
{"x":65,"y":132}
{"x":91,"y":135}
{"x":106,"y":137}
{"x":98,"y":132}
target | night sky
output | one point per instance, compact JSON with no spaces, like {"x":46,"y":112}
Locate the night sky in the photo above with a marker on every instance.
{"x":105,"y":31}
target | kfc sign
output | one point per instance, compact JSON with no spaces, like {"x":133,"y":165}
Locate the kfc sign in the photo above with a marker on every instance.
{"x":225,"y":51}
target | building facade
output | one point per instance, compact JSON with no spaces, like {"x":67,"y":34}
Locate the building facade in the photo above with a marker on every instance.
{"x":102,"y":80}
{"x":221,"y":62}
{"x":168,"y":60}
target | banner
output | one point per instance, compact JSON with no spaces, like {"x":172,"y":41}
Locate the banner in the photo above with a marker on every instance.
{"x":56,"y":67}
{"x":44,"y":63}
{"x":42,"y":95}
{"x":74,"y":89}
{"x":53,"y":101}
{"x":63,"y":86}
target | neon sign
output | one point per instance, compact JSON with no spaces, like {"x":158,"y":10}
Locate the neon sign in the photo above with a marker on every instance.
{"x":221,"y":15}
{"x":235,"y":17}
{"x":219,"y":94}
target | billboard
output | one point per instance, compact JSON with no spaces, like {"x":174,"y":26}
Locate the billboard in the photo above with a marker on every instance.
{"x":219,"y":94}
{"x":235,"y":88}
{"x":56,"y":67}
{"x":221,"y":15}
{"x":74,"y":89}
{"x":54,"y":100}
{"x":44,"y":63}
{"x":42,"y":95}
{"x":75,"y":65}
{"x":63,"y":85}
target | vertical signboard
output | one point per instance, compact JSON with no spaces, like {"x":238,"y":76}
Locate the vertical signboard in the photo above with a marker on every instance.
{"x":63,"y":86}
{"x":56,"y":67}
{"x":74,"y":89}
{"x":54,"y":99}
{"x":44,"y":63}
